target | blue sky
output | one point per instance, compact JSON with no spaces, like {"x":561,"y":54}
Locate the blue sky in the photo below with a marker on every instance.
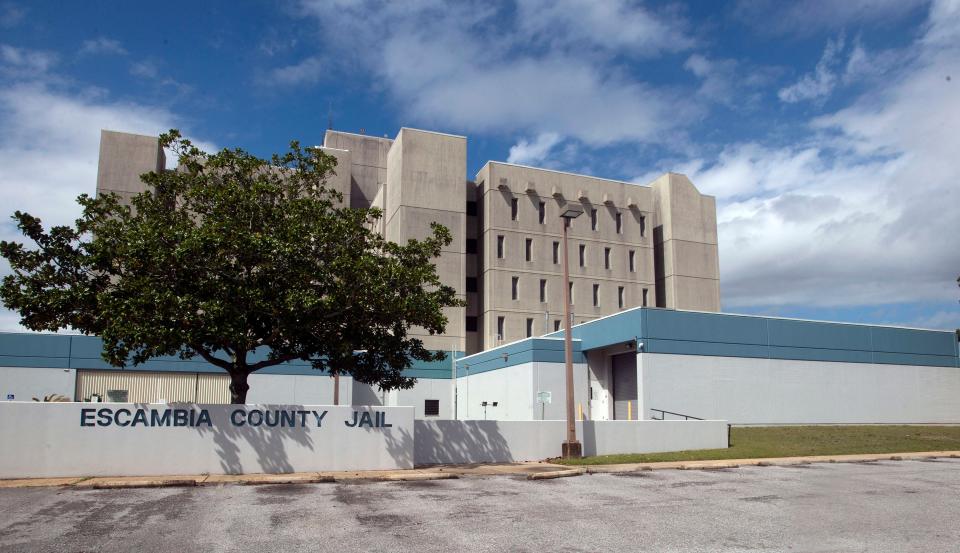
{"x":826,"y":130}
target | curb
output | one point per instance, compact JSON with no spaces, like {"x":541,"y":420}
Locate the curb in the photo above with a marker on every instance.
{"x":550,"y":475}
{"x":184,"y":483}
{"x":419,"y":477}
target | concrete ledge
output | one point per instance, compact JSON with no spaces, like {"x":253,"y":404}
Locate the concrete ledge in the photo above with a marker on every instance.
{"x":769,"y":462}
{"x":549,"y":475}
{"x":418,"y":476}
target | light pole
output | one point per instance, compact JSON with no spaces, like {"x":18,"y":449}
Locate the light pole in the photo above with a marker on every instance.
{"x":571,"y":447}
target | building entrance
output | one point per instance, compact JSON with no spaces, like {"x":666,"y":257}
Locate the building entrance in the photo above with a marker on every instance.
{"x":624,"y":367}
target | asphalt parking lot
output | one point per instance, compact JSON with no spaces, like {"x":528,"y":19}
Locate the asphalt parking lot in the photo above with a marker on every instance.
{"x":875,"y":506}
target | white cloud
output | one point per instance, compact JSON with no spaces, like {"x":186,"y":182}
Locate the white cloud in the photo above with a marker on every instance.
{"x":102,"y":45}
{"x":525,"y":152}
{"x":862,"y":212}
{"x":50,"y":147}
{"x":308,"y":71}
{"x":24,"y":62}
{"x":146,"y":69}
{"x":459,"y":67}
{"x":735,"y":84}
{"x":11,"y":14}
{"x":614,"y":25}
{"x":805,"y":17}
{"x":821,"y":82}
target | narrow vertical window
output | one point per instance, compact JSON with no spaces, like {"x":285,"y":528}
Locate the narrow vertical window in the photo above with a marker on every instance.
{"x":571,"y":293}
{"x":644,"y":297}
{"x":643,"y":225}
{"x":529,"y":328}
{"x":556,"y":325}
{"x":514,"y":209}
{"x":529,"y":249}
{"x":500,"y":246}
{"x":583,"y":255}
{"x":542,"y":212}
{"x":620,"y":301}
{"x":593,"y":219}
{"x":499,"y":328}
{"x":596,"y":295}
{"x":633,"y":261}
{"x":619,"y":217}
{"x":556,"y":253}
{"x":515,"y":287}
{"x":606,"y":258}
{"x":543,"y":290}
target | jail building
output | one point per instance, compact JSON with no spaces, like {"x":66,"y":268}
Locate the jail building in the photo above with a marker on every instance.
{"x":636,"y":245}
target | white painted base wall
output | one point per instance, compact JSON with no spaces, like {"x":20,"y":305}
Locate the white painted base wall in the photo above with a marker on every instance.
{"x":444,"y":442}
{"x":47,"y":440}
{"x":515,"y":391}
{"x":297,"y":389}
{"x":776,"y":391}
{"x":26,"y":383}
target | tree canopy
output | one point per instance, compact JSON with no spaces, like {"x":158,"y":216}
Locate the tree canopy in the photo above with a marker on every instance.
{"x":232,"y":254}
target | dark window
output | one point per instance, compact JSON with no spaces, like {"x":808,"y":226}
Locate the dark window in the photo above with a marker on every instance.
{"x":619,"y":223}
{"x":471,"y":207}
{"x":431,"y":407}
{"x":571,"y":293}
{"x":471,"y":245}
{"x":644,"y":297}
{"x":596,"y":295}
{"x":620,"y":297}
{"x":529,"y":328}
{"x":529,"y":249}
{"x":471,"y":324}
{"x":471,"y":284}
{"x":514,"y":209}
{"x":556,"y":325}
{"x":643,"y":225}
{"x":543,"y":290}
{"x":500,"y":246}
{"x":543,"y":212}
{"x":593,"y":219}
{"x":515,"y":287}
{"x":606,"y":258}
{"x":500,"y":328}
{"x":583,"y":255}
{"x":556,"y":253}
{"x":633,"y":265}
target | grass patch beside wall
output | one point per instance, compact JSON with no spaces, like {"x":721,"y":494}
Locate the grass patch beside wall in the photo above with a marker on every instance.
{"x":797,"y":441}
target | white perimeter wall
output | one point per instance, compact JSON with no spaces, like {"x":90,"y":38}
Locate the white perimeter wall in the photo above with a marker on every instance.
{"x":441,"y":442}
{"x":46,"y":440}
{"x":424,"y":389}
{"x":297,"y":389}
{"x":776,"y":391}
{"x":26,"y":383}
{"x":515,"y":390}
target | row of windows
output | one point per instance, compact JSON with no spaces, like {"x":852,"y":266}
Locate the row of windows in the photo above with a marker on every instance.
{"x":528,"y":253}
{"x":542,"y":216}
{"x":515,"y":293}
{"x":472,"y":324}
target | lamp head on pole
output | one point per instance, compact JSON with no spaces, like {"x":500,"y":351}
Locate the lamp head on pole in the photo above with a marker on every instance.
{"x":571,"y":211}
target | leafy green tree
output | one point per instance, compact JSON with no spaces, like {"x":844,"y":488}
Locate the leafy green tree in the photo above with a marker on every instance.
{"x":231,"y":255}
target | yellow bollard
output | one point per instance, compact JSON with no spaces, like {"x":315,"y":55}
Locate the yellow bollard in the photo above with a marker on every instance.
{"x":579,"y":411}
{"x":629,"y":410}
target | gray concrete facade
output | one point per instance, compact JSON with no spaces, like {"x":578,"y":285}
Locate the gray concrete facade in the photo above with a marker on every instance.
{"x":635,"y":245}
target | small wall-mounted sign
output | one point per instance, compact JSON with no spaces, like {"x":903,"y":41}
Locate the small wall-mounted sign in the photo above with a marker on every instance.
{"x":544,"y":397}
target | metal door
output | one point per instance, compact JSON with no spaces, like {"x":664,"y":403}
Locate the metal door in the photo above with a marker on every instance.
{"x":624,"y":367}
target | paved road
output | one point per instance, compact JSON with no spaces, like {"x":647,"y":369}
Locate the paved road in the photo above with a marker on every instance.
{"x":877,"y":506}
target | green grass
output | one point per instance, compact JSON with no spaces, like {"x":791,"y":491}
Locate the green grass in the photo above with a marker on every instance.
{"x":795,"y":441}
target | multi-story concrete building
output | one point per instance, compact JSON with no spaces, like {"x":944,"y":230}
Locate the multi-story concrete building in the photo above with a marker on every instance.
{"x":653,"y":245}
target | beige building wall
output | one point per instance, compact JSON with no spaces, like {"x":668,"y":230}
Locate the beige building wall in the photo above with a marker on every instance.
{"x":368,"y":163}
{"x":123,"y":158}
{"x":606,"y":252}
{"x":685,"y":241}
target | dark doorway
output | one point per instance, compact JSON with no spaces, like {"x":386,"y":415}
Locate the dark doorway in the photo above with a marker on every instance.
{"x":624,"y":367}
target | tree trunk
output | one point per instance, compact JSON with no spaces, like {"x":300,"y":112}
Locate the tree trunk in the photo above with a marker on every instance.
{"x":238,"y":386}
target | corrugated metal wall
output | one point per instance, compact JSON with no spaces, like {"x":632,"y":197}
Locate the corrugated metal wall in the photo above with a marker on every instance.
{"x":153,"y":387}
